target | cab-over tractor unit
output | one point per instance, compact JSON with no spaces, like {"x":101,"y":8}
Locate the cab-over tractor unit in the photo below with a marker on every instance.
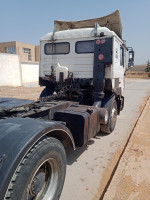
{"x":82,"y":66}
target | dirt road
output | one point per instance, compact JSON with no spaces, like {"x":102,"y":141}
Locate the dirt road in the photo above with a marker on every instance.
{"x":90,"y":168}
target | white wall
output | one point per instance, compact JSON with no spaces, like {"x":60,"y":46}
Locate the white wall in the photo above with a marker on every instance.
{"x":10,"y":70}
{"x":30,"y":72}
{"x":14,"y":73}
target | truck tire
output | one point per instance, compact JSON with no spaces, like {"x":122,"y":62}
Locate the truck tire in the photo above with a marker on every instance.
{"x":48,"y":91}
{"x":41,"y":173}
{"x":111,"y":104}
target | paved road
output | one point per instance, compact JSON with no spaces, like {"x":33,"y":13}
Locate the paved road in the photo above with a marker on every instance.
{"x":89,"y":168}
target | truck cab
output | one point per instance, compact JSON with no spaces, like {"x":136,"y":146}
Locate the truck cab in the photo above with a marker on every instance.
{"x":71,"y":52}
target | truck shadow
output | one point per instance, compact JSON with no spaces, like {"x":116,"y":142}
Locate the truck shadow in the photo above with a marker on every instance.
{"x":72,"y":155}
{"x":102,"y":134}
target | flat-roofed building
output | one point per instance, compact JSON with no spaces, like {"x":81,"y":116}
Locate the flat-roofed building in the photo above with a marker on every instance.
{"x":27,"y":52}
{"x":37,"y":53}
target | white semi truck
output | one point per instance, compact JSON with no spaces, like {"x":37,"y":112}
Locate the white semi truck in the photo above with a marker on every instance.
{"x":82,"y":65}
{"x":86,"y":65}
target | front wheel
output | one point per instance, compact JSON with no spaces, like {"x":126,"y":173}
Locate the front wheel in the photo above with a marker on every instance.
{"x":112,"y":110}
{"x":41,"y":174}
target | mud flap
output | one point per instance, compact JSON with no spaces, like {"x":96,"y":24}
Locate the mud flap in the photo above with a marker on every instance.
{"x":102,"y":56}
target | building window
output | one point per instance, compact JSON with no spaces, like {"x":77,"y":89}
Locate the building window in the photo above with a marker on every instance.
{"x":57,"y":48}
{"x":28,"y":51}
{"x":11,"y":50}
{"x":85,"y":46}
{"x":25,"y":50}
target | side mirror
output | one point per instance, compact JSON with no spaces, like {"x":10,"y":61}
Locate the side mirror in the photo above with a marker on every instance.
{"x":131,"y":57}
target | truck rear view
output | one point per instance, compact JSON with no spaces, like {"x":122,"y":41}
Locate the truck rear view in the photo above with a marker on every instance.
{"x":85,"y":62}
{"x":82,"y":65}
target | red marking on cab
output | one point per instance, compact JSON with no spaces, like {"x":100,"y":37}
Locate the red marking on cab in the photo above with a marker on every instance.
{"x":102,"y":41}
{"x":101,"y":57}
{"x":98,"y":41}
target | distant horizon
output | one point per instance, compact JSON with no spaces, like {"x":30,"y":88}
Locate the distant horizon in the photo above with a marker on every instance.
{"x":28,"y":22}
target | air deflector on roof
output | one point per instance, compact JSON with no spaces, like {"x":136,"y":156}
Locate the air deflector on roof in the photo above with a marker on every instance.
{"x":111,"y":21}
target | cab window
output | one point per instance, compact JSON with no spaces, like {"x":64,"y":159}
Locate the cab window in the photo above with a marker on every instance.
{"x":84,"y":46}
{"x":122,"y":56}
{"x":57,"y":48}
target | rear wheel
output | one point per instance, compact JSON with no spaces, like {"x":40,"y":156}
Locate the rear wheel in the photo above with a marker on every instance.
{"x":41,"y":174}
{"x":112,"y":110}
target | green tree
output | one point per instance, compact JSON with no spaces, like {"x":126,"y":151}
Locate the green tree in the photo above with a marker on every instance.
{"x":148,"y":66}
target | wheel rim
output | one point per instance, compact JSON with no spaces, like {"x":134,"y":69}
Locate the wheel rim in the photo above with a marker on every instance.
{"x":113,"y":116}
{"x":43,"y":184}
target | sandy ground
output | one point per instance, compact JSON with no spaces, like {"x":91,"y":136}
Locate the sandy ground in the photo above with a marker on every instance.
{"x":132,"y":178}
{"x":31,"y":93}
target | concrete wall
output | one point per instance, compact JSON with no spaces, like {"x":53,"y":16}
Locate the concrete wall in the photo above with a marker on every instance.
{"x":14,"y":73}
{"x":10,"y":70}
{"x":137,"y":74}
{"x":30,"y":72}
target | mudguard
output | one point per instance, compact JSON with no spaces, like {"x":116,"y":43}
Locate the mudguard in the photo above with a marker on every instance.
{"x":17,"y":136}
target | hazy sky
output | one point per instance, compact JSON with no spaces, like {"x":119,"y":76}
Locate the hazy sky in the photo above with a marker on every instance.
{"x":28,"y":20}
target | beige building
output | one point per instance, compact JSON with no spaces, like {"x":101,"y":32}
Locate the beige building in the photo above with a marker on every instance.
{"x":37,"y":53}
{"x":27,"y":52}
